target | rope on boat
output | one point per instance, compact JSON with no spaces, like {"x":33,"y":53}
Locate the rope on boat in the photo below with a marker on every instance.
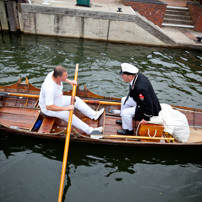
{"x":137,"y":128}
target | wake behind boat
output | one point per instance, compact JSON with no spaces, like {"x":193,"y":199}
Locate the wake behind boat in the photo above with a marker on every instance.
{"x":20,"y":114}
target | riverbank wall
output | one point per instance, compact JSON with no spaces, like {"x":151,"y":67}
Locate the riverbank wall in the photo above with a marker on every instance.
{"x":96,"y":22}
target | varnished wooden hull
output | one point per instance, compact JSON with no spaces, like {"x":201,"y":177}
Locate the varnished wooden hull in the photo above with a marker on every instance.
{"x":14,"y":108}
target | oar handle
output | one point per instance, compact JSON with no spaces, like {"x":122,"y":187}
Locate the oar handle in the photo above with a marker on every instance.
{"x":2,"y":94}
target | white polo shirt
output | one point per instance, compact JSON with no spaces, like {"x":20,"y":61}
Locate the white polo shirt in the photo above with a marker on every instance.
{"x":51,"y":93}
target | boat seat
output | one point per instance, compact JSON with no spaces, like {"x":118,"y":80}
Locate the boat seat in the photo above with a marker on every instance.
{"x":23,"y":118}
{"x":150,"y":130}
{"x":47,"y":124}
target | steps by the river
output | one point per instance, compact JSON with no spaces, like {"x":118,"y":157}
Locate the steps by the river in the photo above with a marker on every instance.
{"x":178,"y":17}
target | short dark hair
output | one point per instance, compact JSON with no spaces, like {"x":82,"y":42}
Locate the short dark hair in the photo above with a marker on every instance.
{"x":58,"y":71}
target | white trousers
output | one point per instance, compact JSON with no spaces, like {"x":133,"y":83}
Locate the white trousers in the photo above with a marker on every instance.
{"x":81,"y":106}
{"x":127,"y":113}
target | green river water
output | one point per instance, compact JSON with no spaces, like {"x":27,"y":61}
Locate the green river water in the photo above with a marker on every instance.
{"x":30,"y":168}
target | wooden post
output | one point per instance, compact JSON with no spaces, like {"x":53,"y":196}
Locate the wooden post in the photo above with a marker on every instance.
{"x":11,"y":16}
{"x":15,"y":11}
{"x":3,"y":17}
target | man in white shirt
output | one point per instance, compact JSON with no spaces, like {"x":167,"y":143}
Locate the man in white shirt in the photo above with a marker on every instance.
{"x":53,"y":103}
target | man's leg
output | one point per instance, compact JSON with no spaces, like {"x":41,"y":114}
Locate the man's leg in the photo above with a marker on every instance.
{"x":78,"y":123}
{"x":127,"y":118}
{"x":84,"y":108}
{"x":127,"y":113}
{"x":80,"y":105}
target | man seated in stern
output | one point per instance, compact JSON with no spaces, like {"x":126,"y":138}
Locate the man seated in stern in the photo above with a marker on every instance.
{"x":141,"y":103}
{"x":53,"y":103}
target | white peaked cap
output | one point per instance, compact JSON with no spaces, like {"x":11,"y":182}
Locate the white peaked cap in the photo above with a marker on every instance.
{"x":128,"y":68}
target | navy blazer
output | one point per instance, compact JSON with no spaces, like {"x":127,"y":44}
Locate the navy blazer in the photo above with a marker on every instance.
{"x":147,"y":102}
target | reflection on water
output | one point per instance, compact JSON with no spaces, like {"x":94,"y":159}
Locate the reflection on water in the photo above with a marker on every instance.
{"x":97,"y":172}
{"x":30,"y":168}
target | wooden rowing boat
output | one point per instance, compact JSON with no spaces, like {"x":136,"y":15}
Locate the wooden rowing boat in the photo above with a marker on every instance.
{"x":19,"y":113}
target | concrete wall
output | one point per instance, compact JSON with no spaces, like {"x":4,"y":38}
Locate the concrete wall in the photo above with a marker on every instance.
{"x":106,"y":26}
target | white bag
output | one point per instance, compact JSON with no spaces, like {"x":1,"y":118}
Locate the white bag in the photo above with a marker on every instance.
{"x":175,"y":123}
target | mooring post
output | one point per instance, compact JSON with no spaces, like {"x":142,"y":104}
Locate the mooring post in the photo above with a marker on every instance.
{"x":3,"y":17}
{"x":11,"y":16}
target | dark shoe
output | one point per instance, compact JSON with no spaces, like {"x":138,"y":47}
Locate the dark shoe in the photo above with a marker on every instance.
{"x":119,"y":122}
{"x":125,"y":132}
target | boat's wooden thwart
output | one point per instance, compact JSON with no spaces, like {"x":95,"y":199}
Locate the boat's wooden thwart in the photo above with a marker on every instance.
{"x":22,"y":99}
{"x":47,"y":124}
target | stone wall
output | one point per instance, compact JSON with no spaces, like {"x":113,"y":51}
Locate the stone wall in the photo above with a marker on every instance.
{"x":196,"y":15}
{"x":153,"y":10}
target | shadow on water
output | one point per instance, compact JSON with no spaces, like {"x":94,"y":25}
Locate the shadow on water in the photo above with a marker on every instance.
{"x":100,"y":164}
{"x":122,"y":157}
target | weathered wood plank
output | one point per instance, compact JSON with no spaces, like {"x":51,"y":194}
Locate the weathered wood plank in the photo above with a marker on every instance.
{"x":11,"y":16}
{"x":3,"y":17}
{"x":15,"y":10}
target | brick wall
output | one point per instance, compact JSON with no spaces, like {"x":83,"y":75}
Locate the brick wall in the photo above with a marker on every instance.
{"x":153,"y":10}
{"x":196,"y":15}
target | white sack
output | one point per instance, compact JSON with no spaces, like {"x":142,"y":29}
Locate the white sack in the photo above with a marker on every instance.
{"x":175,"y":123}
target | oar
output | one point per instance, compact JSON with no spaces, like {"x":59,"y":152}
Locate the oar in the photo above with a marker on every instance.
{"x":102,"y":102}
{"x":37,"y":96}
{"x":2,"y":94}
{"x":135,"y":137}
{"x":66,"y":149}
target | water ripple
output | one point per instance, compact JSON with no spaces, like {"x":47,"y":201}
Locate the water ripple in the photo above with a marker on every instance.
{"x":175,"y":74}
